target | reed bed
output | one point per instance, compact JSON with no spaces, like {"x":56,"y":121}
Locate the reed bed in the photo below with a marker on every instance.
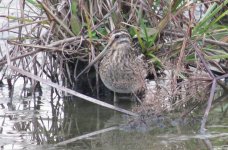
{"x":57,"y":39}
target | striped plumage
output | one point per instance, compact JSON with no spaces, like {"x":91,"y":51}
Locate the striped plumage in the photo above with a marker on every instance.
{"x":120,"y":69}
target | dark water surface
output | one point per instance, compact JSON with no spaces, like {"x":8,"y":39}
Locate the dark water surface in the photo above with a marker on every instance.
{"x":44,"y":120}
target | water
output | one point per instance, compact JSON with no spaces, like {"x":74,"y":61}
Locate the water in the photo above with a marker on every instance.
{"x":44,"y":120}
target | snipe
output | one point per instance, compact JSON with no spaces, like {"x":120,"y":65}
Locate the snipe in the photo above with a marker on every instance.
{"x":120,"y":69}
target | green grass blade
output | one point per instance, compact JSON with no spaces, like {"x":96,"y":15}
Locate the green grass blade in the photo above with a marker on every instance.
{"x":34,"y":3}
{"x":74,"y":20}
{"x":204,"y":24}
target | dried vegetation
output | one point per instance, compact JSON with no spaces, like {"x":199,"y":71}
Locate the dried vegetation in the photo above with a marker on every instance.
{"x":56,"y":39}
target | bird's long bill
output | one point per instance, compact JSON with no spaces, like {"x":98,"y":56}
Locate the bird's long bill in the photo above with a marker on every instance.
{"x":101,"y":55}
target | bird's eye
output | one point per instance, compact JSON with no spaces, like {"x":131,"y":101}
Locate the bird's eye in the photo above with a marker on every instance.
{"x":117,"y":36}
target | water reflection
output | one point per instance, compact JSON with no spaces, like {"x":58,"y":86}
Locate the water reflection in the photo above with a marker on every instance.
{"x":43,"y":119}
{"x":46,"y":119}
